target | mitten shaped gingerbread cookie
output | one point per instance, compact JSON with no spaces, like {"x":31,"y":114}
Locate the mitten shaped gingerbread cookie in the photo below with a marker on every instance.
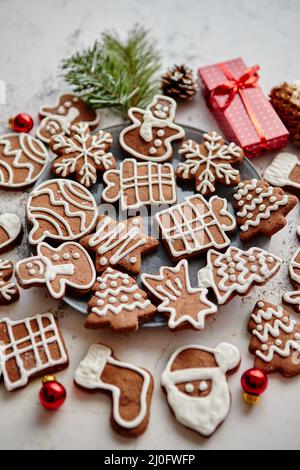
{"x":195,"y":381}
{"x":284,"y":171}
{"x":10,"y":231}
{"x":185,"y":306}
{"x":210,"y":162}
{"x":9,"y":291}
{"x":275,"y":340}
{"x":30,"y":348}
{"x":118,"y":302}
{"x":293,"y":297}
{"x":67,"y":267}
{"x":261,"y":208}
{"x":153,"y":130}
{"x":81,"y":154}
{"x":130,"y":387}
{"x":57,"y":120}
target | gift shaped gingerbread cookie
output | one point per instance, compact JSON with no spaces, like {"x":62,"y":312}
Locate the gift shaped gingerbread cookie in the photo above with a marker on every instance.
{"x":210,"y":162}
{"x":137,"y":184}
{"x":130,"y":387}
{"x":67,"y":267}
{"x":9,"y":291}
{"x":293,"y":297}
{"x":81,"y":154}
{"x":57,"y":120}
{"x":152,"y":131}
{"x":284,"y":171}
{"x":10,"y":231}
{"x":275,"y":340}
{"x":195,"y":225}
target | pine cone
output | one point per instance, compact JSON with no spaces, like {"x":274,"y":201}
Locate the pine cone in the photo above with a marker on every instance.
{"x":179,"y":83}
{"x":286,"y":101}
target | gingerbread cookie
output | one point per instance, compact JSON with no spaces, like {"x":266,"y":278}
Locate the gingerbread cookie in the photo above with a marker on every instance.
{"x":237,"y":271}
{"x":10,"y":231}
{"x":9,"y":291}
{"x":284,"y":171}
{"x":261,"y":208}
{"x":30,"y":348}
{"x":293,"y":297}
{"x":137,"y":184}
{"x":152,"y":131}
{"x":67,"y":267}
{"x":275,"y":340}
{"x":60,"y":209}
{"x":195,"y":225}
{"x":195,"y":380}
{"x":119,"y":244}
{"x":22,"y":160}
{"x":57,"y":120}
{"x":130,"y":387}
{"x":81,"y":154}
{"x":210,"y":162}
{"x":186,"y":306}
{"x":118,"y":302}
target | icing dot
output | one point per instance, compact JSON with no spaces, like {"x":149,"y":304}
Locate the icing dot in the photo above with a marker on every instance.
{"x":270,"y":259}
{"x":103,"y":260}
{"x":259,"y":327}
{"x":249,"y":197}
{"x":231,"y":264}
{"x":240,"y":203}
{"x":31,"y":272}
{"x":232,"y":277}
{"x":189,"y":388}
{"x":231,"y":271}
{"x":278,"y":342}
{"x":251,"y":258}
{"x":112,"y":300}
{"x":160,"y":132}
{"x":249,"y":215}
{"x":297,"y":336}
{"x":237,"y":197}
{"x":124,"y":298}
{"x":113,"y":284}
{"x":157,"y":142}
{"x":132,"y":260}
{"x":76,"y":255}
{"x":260,"y":304}
{"x":152,"y":150}
{"x":55,"y":257}
{"x":272,"y":199}
{"x":262,"y":207}
{"x":137,"y":296}
{"x":203,"y":386}
{"x":100,"y":302}
{"x":228,"y":259}
{"x":102,"y":286}
{"x":29,"y":265}
{"x":285,"y":319}
{"x":66,"y":256}
{"x":258,"y":190}
{"x":125,"y":281}
{"x":253,"y":269}
{"x":264,"y":347}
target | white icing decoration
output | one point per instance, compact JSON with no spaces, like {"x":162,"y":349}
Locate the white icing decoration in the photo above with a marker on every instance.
{"x":12,"y":226}
{"x":278,"y":172}
{"x":203,"y":386}
{"x":189,"y":388}
{"x":293,"y":297}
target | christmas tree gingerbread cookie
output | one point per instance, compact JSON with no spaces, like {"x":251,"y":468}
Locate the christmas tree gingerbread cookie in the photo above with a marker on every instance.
{"x":185,"y":306}
{"x":210,"y":162}
{"x":10,"y":231}
{"x":284,"y":171}
{"x":131,"y":388}
{"x":261,"y":208}
{"x":293,"y":297}
{"x":152,"y":131}
{"x":195,"y":381}
{"x":118,"y":302}
{"x":275,"y":340}
{"x":237,"y":271}
{"x":9,"y":291}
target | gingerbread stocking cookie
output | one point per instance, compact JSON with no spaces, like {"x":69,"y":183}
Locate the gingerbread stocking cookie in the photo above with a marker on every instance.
{"x":237,"y":271}
{"x":186,"y":307}
{"x":119,"y":244}
{"x":195,"y":381}
{"x":284,"y":171}
{"x":57,"y":120}
{"x":9,"y":291}
{"x":118,"y":302}
{"x":195,"y":225}
{"x":82,"y":154}
{"x":275,"y":340}
{"x":210,"y":162}
{"x":261,"y":208}
{"x":293,"y":297}
{"x":137,"y":184}
{"x":10,"y":231}
{"x":130,"y":387}
{"x":152,"y":131}
{"x":67,"y":267}
{"x":30,"y":348}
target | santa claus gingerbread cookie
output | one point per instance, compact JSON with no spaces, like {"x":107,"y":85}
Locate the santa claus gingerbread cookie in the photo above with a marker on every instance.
{"x":152,"y":131}
{"x":195,"y":381}
{"x":284,"y":171}
{"x":130,"y":388}
{"x":10,"y":231}
{"x":9,"y":291}
{"x":57,"y":119}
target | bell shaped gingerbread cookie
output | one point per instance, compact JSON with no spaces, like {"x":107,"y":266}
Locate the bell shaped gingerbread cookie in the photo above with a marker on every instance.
{"x":67,"y":267}
{"x":152,"y":131}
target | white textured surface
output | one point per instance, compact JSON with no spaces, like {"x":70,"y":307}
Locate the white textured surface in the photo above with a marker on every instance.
{"x":34,"y":37}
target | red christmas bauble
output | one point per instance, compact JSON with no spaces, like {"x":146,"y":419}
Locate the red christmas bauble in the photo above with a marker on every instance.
{"x":21,"y":123}
{"x":52,"y":394}
{"x":254,"y":381}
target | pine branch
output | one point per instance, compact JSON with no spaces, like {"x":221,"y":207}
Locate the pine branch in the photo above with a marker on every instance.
{"x":113,"y":74}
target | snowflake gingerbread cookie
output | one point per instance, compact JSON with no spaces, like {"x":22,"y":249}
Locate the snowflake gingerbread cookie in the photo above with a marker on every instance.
{"x":153,"y":130}
{"x":210,"y":162}
{"x":131,"y":388}
{"x":261,"y":208}
{"x":186,"y":306}
{"x":275,"y":340}
{"x":118,"y":302}
{"x":9,"y":291}
{"x":67,"y":267}
{"x":195,"y":225}
{"x":237,"y":271}
{"x":293,"y":297}
{"x":81,"y":154}
{"x":10,"y":231}
{"x":119,"y":244}
{"x":30,"y":348}
{"x":22,"y":160}
{"x":195,"y":380}
{"x":284,"y":171}
{"x":137,"y":184}
{"x":57,"y":120}
{"x":60,"y":209}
